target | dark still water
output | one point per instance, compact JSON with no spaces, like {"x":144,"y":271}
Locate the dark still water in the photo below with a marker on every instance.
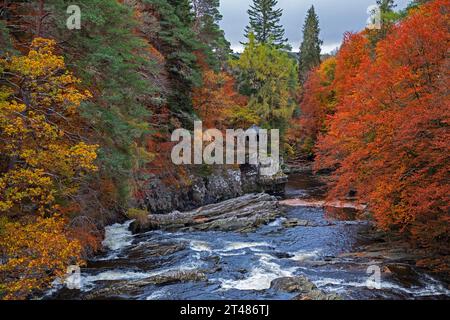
{"x":242,"y":266}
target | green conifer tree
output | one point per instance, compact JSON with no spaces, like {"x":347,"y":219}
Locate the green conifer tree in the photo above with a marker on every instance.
{"x":265,"y":23}
{"x":310,"y":47}
{"x":209,"y":33}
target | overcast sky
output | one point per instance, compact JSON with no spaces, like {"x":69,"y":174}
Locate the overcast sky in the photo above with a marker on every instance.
{"x":336,"y":17}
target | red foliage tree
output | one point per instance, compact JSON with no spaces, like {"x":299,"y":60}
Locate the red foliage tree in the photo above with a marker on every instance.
{"x":390,"y":135}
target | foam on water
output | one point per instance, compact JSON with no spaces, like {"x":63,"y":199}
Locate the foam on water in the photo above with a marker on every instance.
{"x":232,"y":246}
{"x":200,"y":246}
{"x":117,"y":236}
{"x":260,"y":276}
{"x":277,"y":223}
{"x":301,"y":256}
{"x":432,"y":287}
{"x":88,"y":282}
{"x":157,"y":295}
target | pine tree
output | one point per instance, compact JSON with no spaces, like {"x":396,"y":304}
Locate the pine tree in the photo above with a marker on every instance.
{"x":310,"y":47}
{"x":265,"y":23}
{"x":209,"y":33}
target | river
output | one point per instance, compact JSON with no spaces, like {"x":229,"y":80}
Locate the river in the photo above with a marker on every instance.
{"x":242,"y":266}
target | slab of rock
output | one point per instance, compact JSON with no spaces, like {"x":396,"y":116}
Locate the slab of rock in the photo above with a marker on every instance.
{"x":134,"y":287}
{"x":243,"y":214}
{"x":306,"y":289}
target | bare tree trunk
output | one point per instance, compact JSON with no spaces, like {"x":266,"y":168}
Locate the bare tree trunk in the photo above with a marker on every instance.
{"x":40,"y":18}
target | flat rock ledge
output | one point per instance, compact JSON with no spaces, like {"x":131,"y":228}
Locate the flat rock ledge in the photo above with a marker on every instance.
{"x":243,"y":214}
{"x":136,"y":287}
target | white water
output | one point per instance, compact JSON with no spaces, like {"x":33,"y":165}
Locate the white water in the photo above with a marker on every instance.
{"x":232,"y":246}
{"x":117,"y":236}
{"x":260,"y":276}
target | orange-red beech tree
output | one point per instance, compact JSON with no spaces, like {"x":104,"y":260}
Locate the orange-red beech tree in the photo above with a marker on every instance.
{"x":318,"y":102}
{"x":389,"y":138}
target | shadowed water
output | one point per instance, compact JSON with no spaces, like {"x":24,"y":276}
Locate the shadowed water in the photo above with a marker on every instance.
{"x":242,"y":266}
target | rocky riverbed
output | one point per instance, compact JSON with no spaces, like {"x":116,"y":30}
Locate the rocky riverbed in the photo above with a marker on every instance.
{"x":253,"y":247}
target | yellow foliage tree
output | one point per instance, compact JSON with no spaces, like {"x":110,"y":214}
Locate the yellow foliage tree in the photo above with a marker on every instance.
{"x":42,"y":161}
{"x":42,"y":155}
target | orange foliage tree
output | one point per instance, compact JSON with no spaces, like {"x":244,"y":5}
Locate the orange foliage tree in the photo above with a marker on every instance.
{"x":389,"y":138}
{"x":216,"y":100}
{"x":317,"y":103}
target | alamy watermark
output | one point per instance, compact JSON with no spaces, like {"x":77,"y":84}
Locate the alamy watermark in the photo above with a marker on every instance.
{"x":374,"y":20}
{"x":74,"y":20}
{"x":241,"y":146}
{"x":374,"y":280}
{"x":73,"y":278}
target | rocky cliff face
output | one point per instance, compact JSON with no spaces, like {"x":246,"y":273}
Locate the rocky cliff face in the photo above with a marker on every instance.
{"x":218,"y":184}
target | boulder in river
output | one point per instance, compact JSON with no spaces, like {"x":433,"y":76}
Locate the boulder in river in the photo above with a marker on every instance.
{"x":243,"y":214}
{"x":305,"y":289}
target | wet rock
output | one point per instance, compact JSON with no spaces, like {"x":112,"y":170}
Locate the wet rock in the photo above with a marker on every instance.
{"x":317,"y":295}
{"x":292,"y":223}
{"x":243,"y":214}
{"x":382,"y":254}
{"x":282,"y":255}
{"x":274,"y":184}
{"x":405,"y":274}
{"x":145,"y":249}
{"x":306,"y":289}
{"x":292,"y":284}
{"x":135,"y":287}
{"x":242,"y":271}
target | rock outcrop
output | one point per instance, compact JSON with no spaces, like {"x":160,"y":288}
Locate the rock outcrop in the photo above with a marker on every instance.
{"x":305,"y":289}
{"x":242,"y":214}
{"x":208,"y":185}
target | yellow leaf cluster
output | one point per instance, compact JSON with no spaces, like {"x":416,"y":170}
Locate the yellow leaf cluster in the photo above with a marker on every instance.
{"x":37,"y":252}
{"x":42,"y":155}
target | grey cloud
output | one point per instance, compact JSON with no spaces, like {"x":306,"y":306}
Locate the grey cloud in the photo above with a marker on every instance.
{"x":336,"y":17}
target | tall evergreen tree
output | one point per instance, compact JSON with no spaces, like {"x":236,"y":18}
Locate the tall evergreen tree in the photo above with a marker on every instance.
{"x":176,"y":40}
{"x":265,"y":23}
{"x":310,"y":47}
{"x":209,"y":33}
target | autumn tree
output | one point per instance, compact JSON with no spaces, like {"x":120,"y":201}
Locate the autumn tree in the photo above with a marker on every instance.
{"x":317,"y":104}
{"x":41,"y":152}
{"x":35,"y":253}
{"x":112,"y":59}
{"x":268,"y":77}
{"x":390,"y":145}
{"x":216,"y":100}
{"x":43,"y":160}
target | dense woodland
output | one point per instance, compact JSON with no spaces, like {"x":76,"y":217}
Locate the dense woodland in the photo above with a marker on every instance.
{"x":86,"y":116}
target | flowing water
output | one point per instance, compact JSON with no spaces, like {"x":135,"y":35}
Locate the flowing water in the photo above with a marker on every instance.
{"x":242,"y":266}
